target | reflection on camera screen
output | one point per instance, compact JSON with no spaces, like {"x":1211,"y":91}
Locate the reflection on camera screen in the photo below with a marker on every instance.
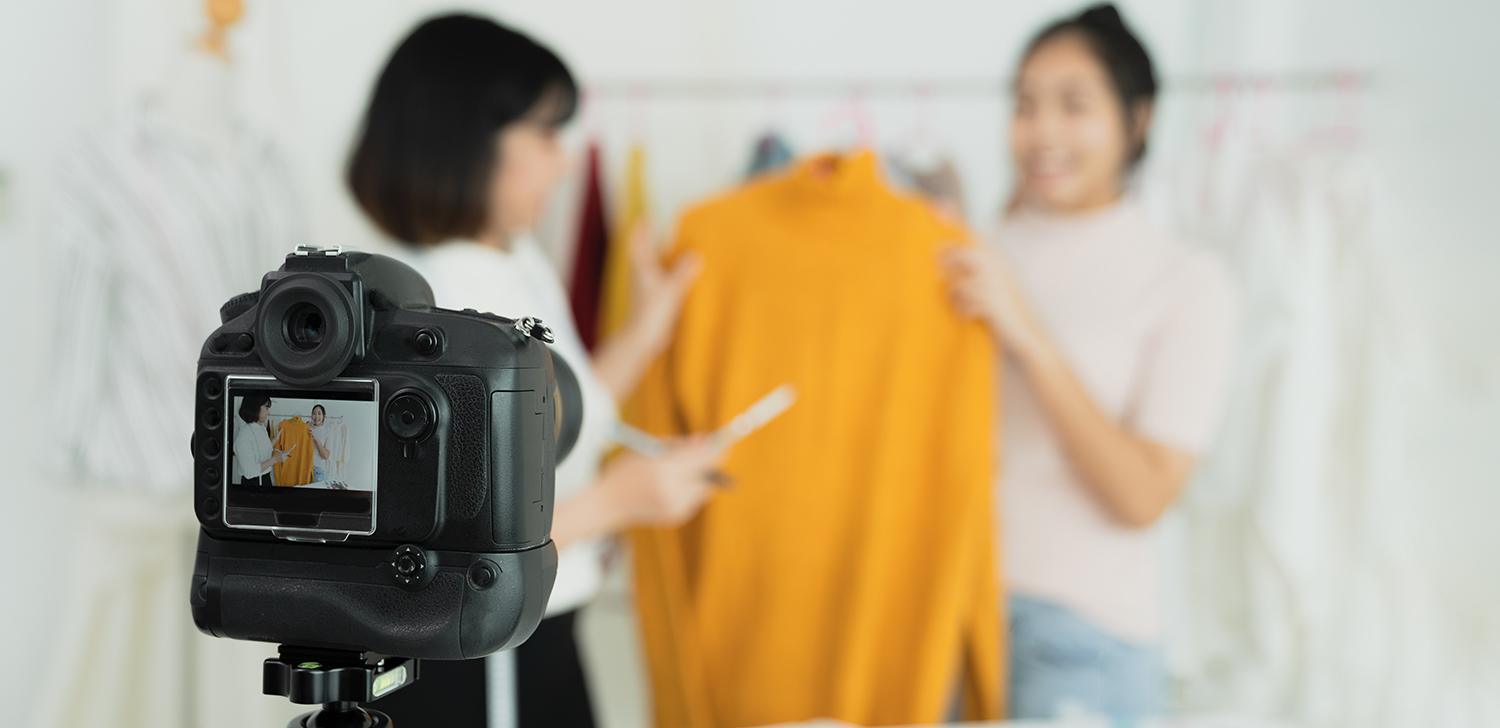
{"x":301,"y":459}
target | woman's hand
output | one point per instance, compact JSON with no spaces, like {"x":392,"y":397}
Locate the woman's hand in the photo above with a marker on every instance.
{"x":637,"y":490}
{"x":656,"y":294}
{"x":662,"y":491}
{"x":276,"y":457}
{"x":656,"y":291}
{"x":1133,"y":478}
{"x":982,"y":286}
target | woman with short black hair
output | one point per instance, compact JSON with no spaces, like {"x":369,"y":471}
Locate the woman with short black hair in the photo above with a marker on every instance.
{"x":457,"y":157}
{"x":254,"y":456}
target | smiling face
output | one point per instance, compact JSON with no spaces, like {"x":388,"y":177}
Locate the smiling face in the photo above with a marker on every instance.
{"x":1070,"y":136}
{"x":265,"y":414}
{"x":318,"y":415}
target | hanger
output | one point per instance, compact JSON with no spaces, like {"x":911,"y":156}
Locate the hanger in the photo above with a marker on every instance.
{"x":849,"y":125}
{"x":222,"y":14}
{"x":919,"y":145}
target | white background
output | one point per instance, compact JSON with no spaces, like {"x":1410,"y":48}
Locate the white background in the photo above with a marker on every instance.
{"x":304,"y":68}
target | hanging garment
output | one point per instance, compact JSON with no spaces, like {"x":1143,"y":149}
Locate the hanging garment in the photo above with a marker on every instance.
{"x":339,"y":447}
{"x":634,"y":210}
{"x":1310,"y":602}
{"x":342,"y":457}
{"x":772,"y":153}
{"x":153,"y":230}
{"x":589,"y":253}
{"x":125,"y":652}
{"x":935,"y":179}
{"x":848,"y":572}
{"x":294,"y":437}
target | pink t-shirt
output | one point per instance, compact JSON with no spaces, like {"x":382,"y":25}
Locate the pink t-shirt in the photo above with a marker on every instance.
{"x":1146,"y":325}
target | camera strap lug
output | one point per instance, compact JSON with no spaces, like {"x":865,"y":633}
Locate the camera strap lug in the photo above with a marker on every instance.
{"x":535,"y":328}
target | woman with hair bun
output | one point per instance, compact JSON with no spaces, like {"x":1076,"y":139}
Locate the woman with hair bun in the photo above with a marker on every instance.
{"x":1118,"y":341}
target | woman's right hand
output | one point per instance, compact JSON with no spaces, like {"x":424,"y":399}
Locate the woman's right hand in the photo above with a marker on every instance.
{"x":662,"y":491}
{"x":656,"y":290}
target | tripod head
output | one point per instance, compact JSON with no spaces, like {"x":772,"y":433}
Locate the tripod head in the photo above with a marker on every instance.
{"x":339,"y":680}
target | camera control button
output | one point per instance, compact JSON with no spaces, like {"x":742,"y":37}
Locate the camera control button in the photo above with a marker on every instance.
{"x":427,"y":342}
{"x":409,"y":416}
{"x":483,"y":575}
{"x":238,"y":305}
{"x":408,"y":565}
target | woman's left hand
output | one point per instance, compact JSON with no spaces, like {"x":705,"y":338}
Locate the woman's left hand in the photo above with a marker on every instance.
{"x":982,"y":286}
{"x":656,"y":291}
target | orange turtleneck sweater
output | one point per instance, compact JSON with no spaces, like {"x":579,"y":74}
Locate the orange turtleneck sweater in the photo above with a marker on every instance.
{"x":849,"y":571}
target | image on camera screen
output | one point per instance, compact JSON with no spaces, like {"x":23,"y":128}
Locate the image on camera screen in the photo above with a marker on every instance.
{"x":301,"y":459}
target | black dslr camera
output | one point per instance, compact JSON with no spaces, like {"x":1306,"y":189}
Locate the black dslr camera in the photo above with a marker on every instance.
{"x":374,"y":474}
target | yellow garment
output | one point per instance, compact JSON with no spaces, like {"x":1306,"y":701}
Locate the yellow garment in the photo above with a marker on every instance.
{"x":296,"y":469}
{"x":635,"y":208}
{"x":849,"y":571}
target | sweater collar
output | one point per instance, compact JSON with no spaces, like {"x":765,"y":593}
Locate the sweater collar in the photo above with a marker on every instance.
{"x":839,"y":175}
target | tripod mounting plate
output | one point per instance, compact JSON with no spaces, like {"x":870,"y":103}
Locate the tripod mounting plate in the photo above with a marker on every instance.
{"x":310,"y":676}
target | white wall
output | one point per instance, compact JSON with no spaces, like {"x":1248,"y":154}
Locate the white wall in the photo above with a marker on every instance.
{"x":306,"y":66}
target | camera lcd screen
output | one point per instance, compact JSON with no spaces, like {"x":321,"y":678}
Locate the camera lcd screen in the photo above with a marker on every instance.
{"x":301,"y":460}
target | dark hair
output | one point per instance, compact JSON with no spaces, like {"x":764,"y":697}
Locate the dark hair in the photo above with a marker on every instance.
{"x":421,"y":166}
{"x":251,"y":404}
{"x":1119,"y":51}
{"x":317,"y":407}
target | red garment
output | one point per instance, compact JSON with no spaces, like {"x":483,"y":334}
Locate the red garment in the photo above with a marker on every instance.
{"x":587,"y":284}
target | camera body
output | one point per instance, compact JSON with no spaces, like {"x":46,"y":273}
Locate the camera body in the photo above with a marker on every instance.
{"x":374,"y":473}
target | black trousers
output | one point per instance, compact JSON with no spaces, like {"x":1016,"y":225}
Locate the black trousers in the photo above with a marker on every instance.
{"x":550,"y":686}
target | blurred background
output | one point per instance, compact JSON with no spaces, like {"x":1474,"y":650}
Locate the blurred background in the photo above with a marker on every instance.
{"x":1343,"y":576}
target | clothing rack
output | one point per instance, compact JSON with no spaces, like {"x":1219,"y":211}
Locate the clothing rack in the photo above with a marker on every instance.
{"x":1337,"y":80}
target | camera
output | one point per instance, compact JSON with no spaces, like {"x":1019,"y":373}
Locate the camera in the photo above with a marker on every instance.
{"x":375,"y":474}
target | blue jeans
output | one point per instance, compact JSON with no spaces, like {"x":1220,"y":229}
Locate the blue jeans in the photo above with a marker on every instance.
{"x":1063,"y":666}
{"x":319,"y":474}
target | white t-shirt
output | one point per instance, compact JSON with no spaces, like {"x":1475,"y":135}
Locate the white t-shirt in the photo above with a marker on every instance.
{"x":252,"y":446}
{"x":522,"y":282}
{"x":1147,"y":325}
{"x":321,"y":435}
